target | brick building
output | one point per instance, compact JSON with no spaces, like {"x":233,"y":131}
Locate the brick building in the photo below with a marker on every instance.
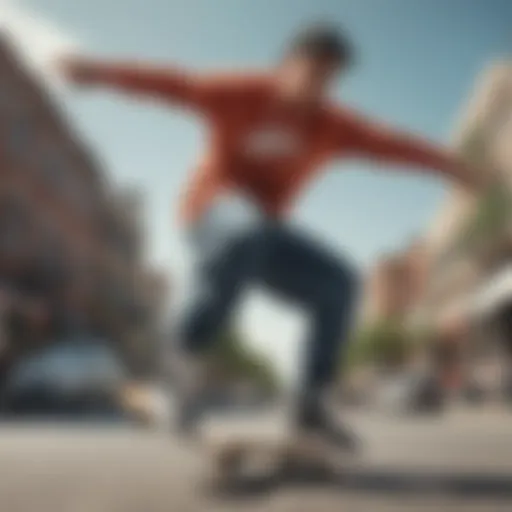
{"x":395,"y":283}
{"x":58,"y":209}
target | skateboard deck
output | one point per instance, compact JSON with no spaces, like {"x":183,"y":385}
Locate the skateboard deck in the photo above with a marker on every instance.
{"x":236,"y":458}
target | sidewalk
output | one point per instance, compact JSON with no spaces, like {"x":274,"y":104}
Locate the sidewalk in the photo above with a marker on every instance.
{"x":498,"y":410}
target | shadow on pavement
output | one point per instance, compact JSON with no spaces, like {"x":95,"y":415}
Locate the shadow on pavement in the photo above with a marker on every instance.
{"x":382,"y":482}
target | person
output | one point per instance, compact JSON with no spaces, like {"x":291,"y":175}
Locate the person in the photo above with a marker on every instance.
{"x":270,"y":134}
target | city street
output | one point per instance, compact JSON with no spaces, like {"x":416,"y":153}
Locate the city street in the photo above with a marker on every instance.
{"x":462,"y":462}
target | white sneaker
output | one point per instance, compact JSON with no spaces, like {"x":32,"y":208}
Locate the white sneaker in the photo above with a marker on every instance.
{"x":189,"y":376}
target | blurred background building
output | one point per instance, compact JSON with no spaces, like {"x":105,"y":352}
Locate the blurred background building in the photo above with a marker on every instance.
{"x":395,"y":283}
{"x":431,"y":277}
{"x":72,"y":260}
{"x":460,"y":292}
{"x":484,"y":137}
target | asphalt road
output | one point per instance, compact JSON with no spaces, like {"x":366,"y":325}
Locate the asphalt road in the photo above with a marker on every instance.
{"x":462,"y":462}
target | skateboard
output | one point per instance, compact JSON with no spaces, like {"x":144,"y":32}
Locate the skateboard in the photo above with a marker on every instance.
{"x":250,"y":457}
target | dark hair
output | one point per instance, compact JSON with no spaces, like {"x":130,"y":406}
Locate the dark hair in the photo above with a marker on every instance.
{"x":322,"y":41}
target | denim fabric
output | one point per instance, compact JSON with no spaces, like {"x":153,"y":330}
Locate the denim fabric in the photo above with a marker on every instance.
{"x":232,"y":255}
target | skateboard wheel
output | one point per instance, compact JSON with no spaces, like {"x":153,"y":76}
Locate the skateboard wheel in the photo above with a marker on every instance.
{"x":230,"y":460}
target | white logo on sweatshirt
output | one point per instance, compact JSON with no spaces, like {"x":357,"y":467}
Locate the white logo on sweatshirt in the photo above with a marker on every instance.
{"x":272,"y":142}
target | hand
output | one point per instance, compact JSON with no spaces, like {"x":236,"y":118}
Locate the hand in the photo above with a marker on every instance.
{"x":5,"y":301}
{"x":76,"y":69}
{"x":479,"y":180}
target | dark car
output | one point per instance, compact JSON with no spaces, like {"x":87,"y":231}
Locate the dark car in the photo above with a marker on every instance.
{"x":77,"y":378}
{"x":412,"y":393}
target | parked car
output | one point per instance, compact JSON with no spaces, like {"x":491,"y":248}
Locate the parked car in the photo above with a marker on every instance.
{"x":475,"y":394}
{"x":411,"y":393}
{"x":76,"y":378}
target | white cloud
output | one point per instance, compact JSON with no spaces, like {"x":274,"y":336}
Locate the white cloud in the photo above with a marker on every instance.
{"x":38,"y":40}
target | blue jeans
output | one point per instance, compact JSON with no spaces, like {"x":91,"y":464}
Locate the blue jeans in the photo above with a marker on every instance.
{"x":289,"y":264}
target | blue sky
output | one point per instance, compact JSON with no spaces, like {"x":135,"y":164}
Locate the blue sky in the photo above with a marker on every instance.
{"x":417,"y":63}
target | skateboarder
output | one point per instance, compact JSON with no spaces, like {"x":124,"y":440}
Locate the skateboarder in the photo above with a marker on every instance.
{"x":270,"y":135}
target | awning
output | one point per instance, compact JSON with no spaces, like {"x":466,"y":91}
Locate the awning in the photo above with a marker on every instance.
{"x":494,"y":293}
{"x":455,"y":315}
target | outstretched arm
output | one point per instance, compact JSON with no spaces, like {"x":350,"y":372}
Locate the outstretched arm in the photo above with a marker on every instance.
{"x":170,"y":84}
{"x":387,"y":145}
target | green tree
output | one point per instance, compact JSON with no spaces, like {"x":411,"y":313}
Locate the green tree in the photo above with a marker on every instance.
{"x":493,"y":211}
{"x":234,"y":361}
{"x":474,"y":148}
{"x":385,"y":343}
{"x":488,"y":222}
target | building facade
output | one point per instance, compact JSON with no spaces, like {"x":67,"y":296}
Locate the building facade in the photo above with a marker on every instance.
{"x":452,"y":302}
{"x":484,"y":137}
{"x":395,"y":283}
{"x":59,"y":211}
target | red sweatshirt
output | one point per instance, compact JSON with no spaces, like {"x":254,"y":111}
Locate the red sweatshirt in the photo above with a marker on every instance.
{"x":260,"y":145}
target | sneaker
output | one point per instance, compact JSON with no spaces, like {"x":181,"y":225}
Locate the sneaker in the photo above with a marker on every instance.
{"x":319,"y":421}
{"x":189,"y":379}
{"x":190,"y":411}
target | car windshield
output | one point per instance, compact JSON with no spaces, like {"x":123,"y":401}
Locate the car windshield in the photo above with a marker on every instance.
{"x":70,"y":361}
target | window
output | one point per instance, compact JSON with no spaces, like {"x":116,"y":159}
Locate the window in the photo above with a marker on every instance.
{"x":51,"y":167}
{"x":5,"y":99}
{"x":12,"y":101}
{"x":15,"y":224}
{"x":500,"y":134}
{"x":77,"y":193}
{"x":61,"y":175}
{"x":21,"y":135}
